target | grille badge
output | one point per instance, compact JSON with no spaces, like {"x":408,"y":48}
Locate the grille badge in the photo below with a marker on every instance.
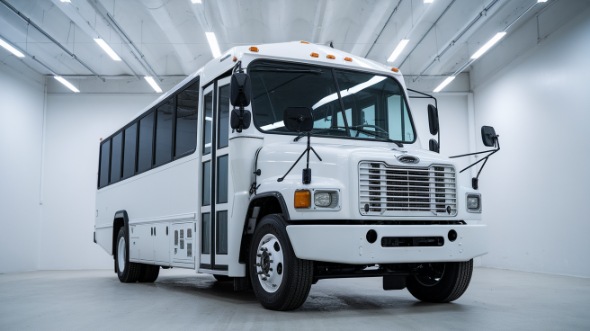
{"x":408,"y":159}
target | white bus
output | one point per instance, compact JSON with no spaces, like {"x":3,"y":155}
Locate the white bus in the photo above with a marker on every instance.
{"x":306,"y":167}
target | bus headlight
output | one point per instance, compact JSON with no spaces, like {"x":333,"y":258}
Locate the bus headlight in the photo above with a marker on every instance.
{"x":325,"y":199}
{"x":474,"y":203}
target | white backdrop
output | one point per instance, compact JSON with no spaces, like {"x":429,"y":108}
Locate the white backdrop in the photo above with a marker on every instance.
{"x":21,"y":127}
{"x":537,"y":188}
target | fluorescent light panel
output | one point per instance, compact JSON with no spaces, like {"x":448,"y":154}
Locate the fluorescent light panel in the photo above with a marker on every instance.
{"x":66,"y":84}
{"x":539,"y":1}
{"x":398,"y":50}
{"x":444,"y":84}
{"x":196,"y":1}
{"x":153,"y":83}
{"x":105,"y":47}
{"x":11,"y":49}
{"x":428,"y":1}
{"x":213,"y":44}
{"x":488,"y":45}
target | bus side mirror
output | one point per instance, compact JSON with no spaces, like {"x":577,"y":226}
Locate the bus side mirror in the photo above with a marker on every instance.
{"x":433,"y":119}
{"x":298,"y":119}
{"x":488,"y":136}
{"x":241,"y":90}
{"x":240,"y":94}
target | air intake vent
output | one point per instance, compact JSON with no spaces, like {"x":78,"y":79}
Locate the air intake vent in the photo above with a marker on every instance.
{"x":407,"y":191}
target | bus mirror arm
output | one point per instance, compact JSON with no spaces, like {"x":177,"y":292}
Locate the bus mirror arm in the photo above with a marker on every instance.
{"x":490,"y":138}
{"x":300,"y":119}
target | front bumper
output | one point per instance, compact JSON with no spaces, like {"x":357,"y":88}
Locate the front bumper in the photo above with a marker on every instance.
{"x":348,"y":243}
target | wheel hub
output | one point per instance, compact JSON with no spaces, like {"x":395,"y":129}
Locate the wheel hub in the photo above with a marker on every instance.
{"x":269,"y":263}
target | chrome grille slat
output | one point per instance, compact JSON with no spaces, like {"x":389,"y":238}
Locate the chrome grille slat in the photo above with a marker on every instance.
{"x":405,"y":191}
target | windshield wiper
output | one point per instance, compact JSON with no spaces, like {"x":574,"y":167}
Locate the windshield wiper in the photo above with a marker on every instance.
{"x":376,"y":134}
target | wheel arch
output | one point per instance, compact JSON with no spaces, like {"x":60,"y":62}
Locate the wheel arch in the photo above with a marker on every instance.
{"x":266,"y":203}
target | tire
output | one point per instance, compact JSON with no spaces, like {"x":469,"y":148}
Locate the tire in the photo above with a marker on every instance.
{"x":128,"y":272}
{"x":279,"y":279}
{"x":440,"y":282}
{"x":149,"y":273}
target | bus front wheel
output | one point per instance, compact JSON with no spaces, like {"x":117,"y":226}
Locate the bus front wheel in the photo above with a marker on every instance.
{"x":440,"y":282}
{"x":280,"y":280}
{"x":128,"y":272}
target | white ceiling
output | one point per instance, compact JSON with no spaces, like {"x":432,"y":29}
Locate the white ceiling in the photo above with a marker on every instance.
{"x":166,"y":38}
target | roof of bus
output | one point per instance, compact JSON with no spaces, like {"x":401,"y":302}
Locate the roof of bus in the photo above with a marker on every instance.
{"x":308,"y":52}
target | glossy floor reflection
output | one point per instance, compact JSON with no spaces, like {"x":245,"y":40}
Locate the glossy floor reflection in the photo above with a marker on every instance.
{"x":180,"y":299}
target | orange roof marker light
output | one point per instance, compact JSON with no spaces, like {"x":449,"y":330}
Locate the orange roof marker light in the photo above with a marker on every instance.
{"x":234,"y":59}
{"x":349,"y":59}
{"x":304,"y":42}
{"x":253,"y":49}
{"x":394,"y":69}
{"x":314,"y":54}
{"x":330,"y":56}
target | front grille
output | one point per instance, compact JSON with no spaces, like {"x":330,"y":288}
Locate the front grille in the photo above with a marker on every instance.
{"x":407,"y":191}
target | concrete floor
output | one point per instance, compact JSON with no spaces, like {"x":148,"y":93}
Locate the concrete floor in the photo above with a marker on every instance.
{"x":96,"y":300}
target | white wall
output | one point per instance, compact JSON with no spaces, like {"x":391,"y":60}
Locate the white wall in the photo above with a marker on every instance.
{"x":21,"y":127}
{"x":536,"y":190}
{"x":74,"y":125}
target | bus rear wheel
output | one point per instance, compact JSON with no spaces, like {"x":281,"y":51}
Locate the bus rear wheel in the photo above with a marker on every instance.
{"x":440,"y":282}
{"x":128,"y":272}
{"x":280,"y":280}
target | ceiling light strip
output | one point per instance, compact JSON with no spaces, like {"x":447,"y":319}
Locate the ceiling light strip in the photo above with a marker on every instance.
{"x":105,"y":47}
{"x":11,"y":49}
{"x":153,"y":83}
{"x":66,"y":83}
{"x":488,"y":45}
{"x":213,"y":44}
{"x":398,"y":50}
{"x":444,"y":84}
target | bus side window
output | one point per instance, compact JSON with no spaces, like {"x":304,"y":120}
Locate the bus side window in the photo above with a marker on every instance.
{"x":146,"y":140}
{"x":116,"y":157}
{"x":129,"y":148}
{"x":164,"y":128}
{"x":187,"y":109}
{"x":105,"y":157}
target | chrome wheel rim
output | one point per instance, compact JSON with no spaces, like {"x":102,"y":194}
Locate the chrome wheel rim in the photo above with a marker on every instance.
{"x":270,"y":263}
{"x":121,"y":254}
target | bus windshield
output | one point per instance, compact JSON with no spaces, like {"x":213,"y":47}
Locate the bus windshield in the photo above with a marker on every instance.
{"x":345,"y":104}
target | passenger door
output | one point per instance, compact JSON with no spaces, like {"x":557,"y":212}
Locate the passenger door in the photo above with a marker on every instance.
{"x":214,"y":177}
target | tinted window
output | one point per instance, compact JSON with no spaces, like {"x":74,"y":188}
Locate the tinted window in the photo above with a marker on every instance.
{"x":206,"y":234}
{"x":164,"y":127}
{"x":206,"y":185}
{"x":116,"y":155}
{"x":187,"y":104}
{"x":129,"y":155}
{"x":221,"y":232}
{"x":222,"y":174}
{"x":207,"y":123}
{"x":105,"y":151}
{"x":223,"y":131}
{"x":348,"y":104}
{"x":146,"y":137}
